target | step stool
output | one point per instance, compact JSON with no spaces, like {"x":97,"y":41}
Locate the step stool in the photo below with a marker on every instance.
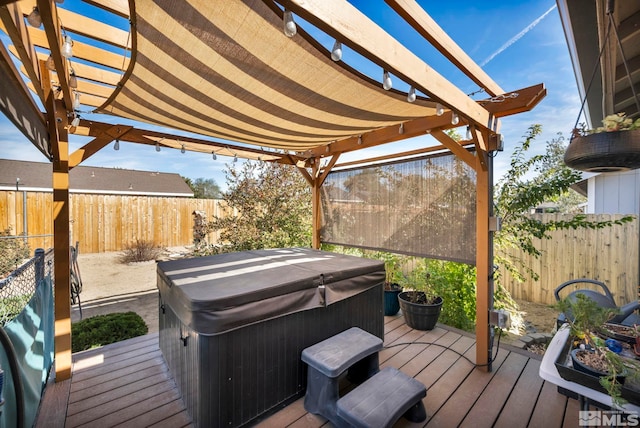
{"x":381,"y":400}
{"x":354,"y":350}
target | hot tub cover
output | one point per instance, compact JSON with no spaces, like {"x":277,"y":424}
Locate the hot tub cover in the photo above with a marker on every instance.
{"x":219,"y":293}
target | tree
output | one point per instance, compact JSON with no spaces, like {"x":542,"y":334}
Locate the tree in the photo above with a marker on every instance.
{"x":529,"y":182}
{"x":204,"y":188}
{"x":272,"y":206}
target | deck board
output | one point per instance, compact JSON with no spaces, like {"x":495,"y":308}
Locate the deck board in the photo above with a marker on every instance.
{"x":519,"y":405}
{"x":128,"y":384}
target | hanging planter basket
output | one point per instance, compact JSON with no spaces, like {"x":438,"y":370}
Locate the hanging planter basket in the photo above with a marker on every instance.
{"x":605,"y":152}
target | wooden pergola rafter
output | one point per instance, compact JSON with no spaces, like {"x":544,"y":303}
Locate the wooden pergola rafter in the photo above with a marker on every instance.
{"x":298,"y":126}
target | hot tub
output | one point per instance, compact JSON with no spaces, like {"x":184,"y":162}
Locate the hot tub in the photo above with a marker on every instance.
{"x":233,"y":326}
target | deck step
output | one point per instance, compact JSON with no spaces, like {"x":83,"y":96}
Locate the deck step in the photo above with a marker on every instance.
{"x":383,"y":399}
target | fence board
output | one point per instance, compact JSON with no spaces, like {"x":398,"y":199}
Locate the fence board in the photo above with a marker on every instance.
{"x":107,"y":222}
{"x":112,"y":222}
{"x":609,"y":255}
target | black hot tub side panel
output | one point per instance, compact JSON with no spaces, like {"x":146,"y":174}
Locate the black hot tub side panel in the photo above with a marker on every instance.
{"x":236,"y":378}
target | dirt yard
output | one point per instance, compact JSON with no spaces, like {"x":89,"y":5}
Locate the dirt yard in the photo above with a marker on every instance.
{"x":110,"y":286}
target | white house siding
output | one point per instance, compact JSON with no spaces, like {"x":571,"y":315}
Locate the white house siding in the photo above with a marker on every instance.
{"x":614,"y":193}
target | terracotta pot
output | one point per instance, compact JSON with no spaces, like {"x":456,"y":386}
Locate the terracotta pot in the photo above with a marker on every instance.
{"x":605,"y":151}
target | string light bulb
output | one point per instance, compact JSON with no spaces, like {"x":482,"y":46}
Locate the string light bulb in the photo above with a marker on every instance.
{"x":235,"y":157}
{"x":454,"y":118}
{"x":76,"y":100}
{"x":50,"y":64}
{"x":73,"y":80}
{"x":76,"y":121}
{"x":67,"y":47}
{"x":157,"y":147}
{"x":182,"y":149}
{"x":116,"y":145}
{"x":439,"y":109}
{"x":401,"y":129}
{"x":213,"y":155}
{"x":359,"y":140}
{"x":336,"y":52}
{"x":468,"y":133}
{"x":386,"y":81}
{"x":289,"y":28}
{"x":411,"y":96}
{"x":34,"y":19}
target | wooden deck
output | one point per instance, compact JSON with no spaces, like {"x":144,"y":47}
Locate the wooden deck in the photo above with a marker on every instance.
{"x":127,"y":384}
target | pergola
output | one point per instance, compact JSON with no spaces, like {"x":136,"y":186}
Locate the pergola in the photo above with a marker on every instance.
{"x":226,"y":71}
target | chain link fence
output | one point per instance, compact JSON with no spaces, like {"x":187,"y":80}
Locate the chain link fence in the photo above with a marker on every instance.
{"x":17,"y":289}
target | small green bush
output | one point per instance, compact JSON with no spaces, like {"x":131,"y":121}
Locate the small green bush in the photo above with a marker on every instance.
{"x":12,"y":252}
{"x":101,"y":330}
{"x":141,"y":251}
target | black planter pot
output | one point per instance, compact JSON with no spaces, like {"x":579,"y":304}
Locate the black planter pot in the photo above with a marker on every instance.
{"x":391,"y":304}
{"x":581,"y":367}
{"x":417,"y":315}
{"x":605,"y":151}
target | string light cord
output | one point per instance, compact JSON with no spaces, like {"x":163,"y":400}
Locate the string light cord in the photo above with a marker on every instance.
{"x":491,"y":360}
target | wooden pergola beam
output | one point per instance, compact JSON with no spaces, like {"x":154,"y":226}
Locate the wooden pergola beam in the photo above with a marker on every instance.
{"x":51,"y":23}
{"x":416,"y":16}
{"x":13,"y":22}
{"x":84,"y":71}
{"x":455,"y":147}
{"x":344,"y":22}
{"x":83,"y":51}
{"x":96,"y":144}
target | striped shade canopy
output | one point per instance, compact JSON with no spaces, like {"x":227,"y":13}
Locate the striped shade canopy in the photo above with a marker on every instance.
{"x":226,"y":69}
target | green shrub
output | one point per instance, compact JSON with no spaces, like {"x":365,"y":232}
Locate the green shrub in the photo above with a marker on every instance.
{"x":141,"y":251}
{"x":12,"y":252}
{"x":104,"y":329}
{"x":456,"y":284}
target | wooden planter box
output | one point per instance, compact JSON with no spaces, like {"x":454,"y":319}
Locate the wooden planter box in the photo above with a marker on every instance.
{"x":605,"y":152}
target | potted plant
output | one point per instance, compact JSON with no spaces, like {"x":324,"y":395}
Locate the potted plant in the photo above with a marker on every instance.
{"x":392,"y":267}
{"x":420,"y":306}
{"x":590,"y":353}
{"x":615,"y":146}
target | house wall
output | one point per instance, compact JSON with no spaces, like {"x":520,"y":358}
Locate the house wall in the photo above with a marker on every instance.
{"x":609,"y":255}
{"x":102,"y":223}
{"x":614,"y":193}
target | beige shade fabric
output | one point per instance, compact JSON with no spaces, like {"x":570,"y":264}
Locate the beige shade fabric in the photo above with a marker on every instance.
{"x":421,"y":207}
{"x":241,"y":79}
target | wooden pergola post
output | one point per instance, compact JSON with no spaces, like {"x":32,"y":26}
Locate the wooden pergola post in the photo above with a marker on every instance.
{"x":484,"y":261}
{"x":316,"y":185}
{"x":58,"y":138}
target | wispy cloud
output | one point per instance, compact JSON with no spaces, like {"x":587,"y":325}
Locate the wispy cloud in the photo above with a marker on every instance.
{"x":517,"y":37}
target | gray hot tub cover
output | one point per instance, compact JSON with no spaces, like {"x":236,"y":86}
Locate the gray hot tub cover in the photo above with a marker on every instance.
{"x":219,"y":293}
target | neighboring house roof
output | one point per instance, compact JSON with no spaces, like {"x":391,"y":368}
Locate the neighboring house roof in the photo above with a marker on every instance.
{"x":37,"y":176}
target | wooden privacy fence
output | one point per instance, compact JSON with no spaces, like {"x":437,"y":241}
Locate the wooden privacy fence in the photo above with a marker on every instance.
{"x":112,"y":222}
{"x":106,"y":222}
{"x":609,"y":255}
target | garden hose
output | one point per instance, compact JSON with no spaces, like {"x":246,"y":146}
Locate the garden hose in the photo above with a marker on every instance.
{"x":15,"y":375}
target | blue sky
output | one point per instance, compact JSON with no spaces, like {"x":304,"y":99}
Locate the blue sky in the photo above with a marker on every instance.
{"x":522,"y":45}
